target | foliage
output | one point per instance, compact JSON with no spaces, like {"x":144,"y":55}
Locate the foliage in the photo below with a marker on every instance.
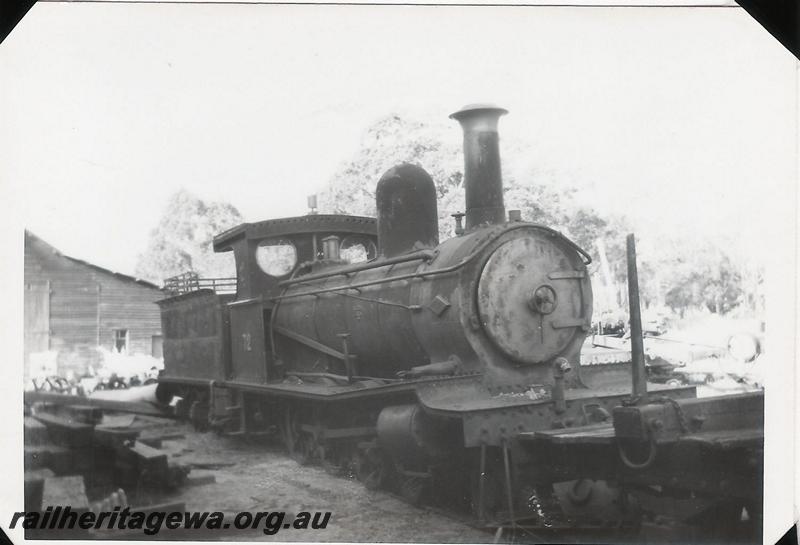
{"x":391,"y":141}
{"x":701,"y":277}
{"x":540,"y":195}
{"x":682,"y":274}
{"x":182,"y":241}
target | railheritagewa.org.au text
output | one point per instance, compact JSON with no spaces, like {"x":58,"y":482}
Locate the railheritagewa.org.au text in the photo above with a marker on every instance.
{"x":152,"y":522}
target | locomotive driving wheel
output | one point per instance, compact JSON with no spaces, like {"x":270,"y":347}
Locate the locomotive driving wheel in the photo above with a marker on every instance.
{"x":372,"y":468}
{"x":184,"y":404}
{"x":301,"y":445}
{"x":198,"y":415}
{"x":412,"y":489}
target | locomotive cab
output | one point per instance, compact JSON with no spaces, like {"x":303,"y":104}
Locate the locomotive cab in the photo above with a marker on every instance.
{"x":268,"y":252}
{"x":219,"y":329}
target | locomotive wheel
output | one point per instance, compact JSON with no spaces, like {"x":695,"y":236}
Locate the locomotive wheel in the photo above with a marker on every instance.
{"x":304,"y":449}
{"x":164,"y":393}
{"x":331,"y":460}
{"x":198,"y":415}
{"x":580,"y":492}
{"x":183,"y":406}
{"x":301,"y":445}
{"x":413,"y":489}
{"x":372,"y":469}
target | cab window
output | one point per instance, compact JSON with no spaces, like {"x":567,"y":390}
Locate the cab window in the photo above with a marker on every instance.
{"x":276,"y":256}
{"x":357,"y":249}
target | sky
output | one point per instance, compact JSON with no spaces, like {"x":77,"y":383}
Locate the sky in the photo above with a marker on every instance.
{"x":684,"y":119}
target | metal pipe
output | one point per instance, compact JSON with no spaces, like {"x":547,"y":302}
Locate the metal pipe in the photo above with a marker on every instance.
{"x":560,"y":367}
{"x":422,"y":274}
{"x":638,"y":372}
{"x":483,"y":182}
{"x":423,"y":255}
{"x":482,"y":486}
{"x":509,"y":494}
{"x":459,"y":228}
{"x":341,"y":378}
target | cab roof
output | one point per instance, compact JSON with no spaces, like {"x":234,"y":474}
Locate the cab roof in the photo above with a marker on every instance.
{"x":312,"y":223}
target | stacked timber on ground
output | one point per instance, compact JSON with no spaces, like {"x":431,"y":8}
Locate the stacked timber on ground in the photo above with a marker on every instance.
{"x":77,"y":454}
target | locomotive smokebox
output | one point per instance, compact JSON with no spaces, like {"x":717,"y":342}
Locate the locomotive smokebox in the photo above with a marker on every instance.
{"x":408,"y":218}
{"x":483,"y":182}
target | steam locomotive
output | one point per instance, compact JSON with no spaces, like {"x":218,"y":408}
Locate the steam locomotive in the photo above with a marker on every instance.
{"x":445,"y":371}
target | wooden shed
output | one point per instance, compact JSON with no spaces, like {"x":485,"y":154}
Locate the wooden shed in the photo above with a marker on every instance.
{"x":73,"y":307}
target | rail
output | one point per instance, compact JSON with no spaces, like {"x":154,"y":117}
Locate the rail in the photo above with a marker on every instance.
{"x":190,"y":281}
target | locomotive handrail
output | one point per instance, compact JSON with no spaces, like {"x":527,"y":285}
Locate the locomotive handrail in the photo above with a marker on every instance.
{"x":413,"y":308}
{"x":424,"y":255}
{"x":423,"y":274}
{"x":342,"y":378}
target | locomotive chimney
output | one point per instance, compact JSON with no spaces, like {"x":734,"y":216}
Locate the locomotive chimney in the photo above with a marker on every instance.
{"x":483,"y":182}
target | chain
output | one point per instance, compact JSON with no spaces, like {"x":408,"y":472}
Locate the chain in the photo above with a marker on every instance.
{"x":682,"y":422}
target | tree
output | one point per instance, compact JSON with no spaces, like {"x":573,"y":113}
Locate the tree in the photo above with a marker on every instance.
{"x":541,"y":196}
{"x":390,"y":141}
{"x":692,"y":273}
{"x":182,"y":241}
{"x":680,"y":273}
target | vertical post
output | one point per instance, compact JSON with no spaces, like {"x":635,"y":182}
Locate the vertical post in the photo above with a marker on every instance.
{"x":637,"y":343}
{"x":482,"y":486}
{"x":348,"y":362}
{"x":97,"y":317}
{"x":509,"y":494}
{"x":48,"y":293}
